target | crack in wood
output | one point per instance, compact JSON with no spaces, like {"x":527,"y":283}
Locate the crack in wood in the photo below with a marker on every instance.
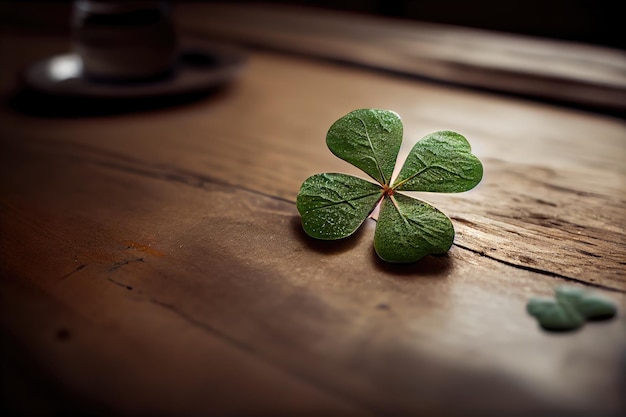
{"x":540,"y":271}
{"x":249,"y":350}
{"x":125,"y":262}
{"x":130,"y":165}
{"x":121,"y":284}
{"x":75,"y":270}
{"x":183,"y":177}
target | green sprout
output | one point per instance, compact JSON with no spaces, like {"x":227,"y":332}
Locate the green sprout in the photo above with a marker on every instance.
{"x":334,"y":205}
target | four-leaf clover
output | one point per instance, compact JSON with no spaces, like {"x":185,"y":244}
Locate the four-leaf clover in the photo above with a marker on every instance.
{"x":334,"y":205}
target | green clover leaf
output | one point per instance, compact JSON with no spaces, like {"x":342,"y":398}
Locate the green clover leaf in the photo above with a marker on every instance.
{"x":570,"y":308}
{"x":333,"y":206}
{"x":590,"y":305}
{"x":554,"y":315}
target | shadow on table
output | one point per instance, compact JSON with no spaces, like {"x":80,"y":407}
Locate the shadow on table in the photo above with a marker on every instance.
{"x":34,"y":103}
{"x":326,"y":247}
{"x":431,"y":265}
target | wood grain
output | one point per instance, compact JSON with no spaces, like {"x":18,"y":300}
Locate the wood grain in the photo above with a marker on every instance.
{"x":326,"y":328}
{"x":154,"y":263}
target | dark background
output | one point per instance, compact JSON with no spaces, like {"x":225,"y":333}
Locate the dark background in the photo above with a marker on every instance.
{"x":590,"y":21}
{"x":598,"y":22}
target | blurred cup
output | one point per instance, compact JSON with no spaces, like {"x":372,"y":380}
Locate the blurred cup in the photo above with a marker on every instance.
{"x":124,"y":40}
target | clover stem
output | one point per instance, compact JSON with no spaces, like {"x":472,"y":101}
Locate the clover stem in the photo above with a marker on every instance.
{"x":388,"y":191}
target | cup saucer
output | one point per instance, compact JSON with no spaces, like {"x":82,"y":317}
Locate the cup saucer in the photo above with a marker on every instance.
{"x":201,"y":65}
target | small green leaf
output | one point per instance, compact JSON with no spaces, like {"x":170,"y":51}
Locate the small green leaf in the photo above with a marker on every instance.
{"x":554,"y":315}
{"x":441,"y":162}
{"x":590,"y":305}
{"x":409,"y":229}
{"x":369,"y":139}
{"x":333,"y":206}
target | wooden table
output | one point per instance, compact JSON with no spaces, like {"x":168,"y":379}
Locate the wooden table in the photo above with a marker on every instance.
{"x":153,"y":262}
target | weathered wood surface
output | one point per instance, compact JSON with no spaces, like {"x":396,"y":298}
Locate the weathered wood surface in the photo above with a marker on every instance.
{"x":153,"y":263}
